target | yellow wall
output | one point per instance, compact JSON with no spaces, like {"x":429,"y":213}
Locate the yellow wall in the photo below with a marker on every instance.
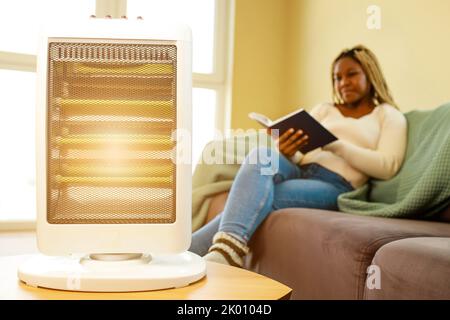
{"x":284,"y":48}
{"x":259,"y":53}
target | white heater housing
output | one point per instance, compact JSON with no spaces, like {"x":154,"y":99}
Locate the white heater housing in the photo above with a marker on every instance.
{"x":111,"y":177}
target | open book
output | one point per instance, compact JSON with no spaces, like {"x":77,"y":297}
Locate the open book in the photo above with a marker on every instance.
{"x":300,"y":119}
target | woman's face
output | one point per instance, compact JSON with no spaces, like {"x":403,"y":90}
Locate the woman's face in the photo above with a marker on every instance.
{"x":350,"y":81}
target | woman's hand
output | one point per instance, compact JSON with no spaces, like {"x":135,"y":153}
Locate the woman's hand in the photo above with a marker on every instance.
{"x":289,"y":142}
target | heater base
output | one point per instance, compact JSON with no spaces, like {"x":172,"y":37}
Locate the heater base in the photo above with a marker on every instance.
{"x":139,"y":273}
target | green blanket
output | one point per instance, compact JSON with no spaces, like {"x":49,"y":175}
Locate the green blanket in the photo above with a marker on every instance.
{"x":422,"y":186}
{"x":419,"y":190}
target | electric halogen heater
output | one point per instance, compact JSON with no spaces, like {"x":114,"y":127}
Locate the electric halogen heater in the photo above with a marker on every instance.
{"x":113,"y":184}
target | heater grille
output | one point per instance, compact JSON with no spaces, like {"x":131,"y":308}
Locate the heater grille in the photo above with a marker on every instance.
{"x":111,"y":112}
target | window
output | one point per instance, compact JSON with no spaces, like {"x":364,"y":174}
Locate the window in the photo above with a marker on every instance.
{"x":18,"y":47}
{"x":203,"y":131}
{"x":210,"y":24}
{"x":208,"y":20}
{"x":17,"y":163}
{"x":25,"y":17}
{"x":198,"y":14}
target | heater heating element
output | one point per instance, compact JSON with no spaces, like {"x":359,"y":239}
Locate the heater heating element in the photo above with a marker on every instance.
{"x":111,"y":112}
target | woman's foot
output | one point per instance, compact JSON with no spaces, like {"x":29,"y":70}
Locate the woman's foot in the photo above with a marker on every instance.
{"x":227,"y":249}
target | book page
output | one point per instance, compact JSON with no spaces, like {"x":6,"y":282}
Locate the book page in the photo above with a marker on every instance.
{"x":262,"y":119}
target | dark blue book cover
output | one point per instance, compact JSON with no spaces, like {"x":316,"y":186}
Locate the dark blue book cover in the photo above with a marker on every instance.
{"x":300,"y":119}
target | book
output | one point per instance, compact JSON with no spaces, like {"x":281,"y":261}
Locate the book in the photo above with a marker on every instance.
{"x":318,"y":135}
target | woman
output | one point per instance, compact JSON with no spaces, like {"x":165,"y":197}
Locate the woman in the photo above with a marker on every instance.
{"x":371,"y":143}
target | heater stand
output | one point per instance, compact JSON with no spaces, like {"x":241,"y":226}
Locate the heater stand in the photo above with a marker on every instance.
{"x":113,"y":272}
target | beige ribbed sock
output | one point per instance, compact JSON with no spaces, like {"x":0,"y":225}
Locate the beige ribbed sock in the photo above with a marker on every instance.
{"x":227,"y":249}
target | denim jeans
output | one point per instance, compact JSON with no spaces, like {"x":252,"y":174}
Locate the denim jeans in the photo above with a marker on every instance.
{"x":253,"y":196}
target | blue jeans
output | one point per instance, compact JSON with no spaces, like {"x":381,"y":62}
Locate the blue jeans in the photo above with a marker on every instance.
{"x":253,"y":196}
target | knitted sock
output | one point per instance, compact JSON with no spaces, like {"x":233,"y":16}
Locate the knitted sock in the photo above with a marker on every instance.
{"x":227,"y":249}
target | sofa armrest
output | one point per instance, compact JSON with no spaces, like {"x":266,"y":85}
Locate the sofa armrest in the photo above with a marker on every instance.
{"x":413,"y":268}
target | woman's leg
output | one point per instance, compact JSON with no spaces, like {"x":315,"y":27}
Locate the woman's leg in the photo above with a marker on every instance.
{"x":295,"y":193}
{"x":251,"y":195}
{"x":248,"y":185}
{"x":307,"y":193}
{"x":249,"y":202}
{"x":202,"y":238}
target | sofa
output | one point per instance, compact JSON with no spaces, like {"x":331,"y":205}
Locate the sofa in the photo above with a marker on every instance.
{"x":390,"y":239}
{"x":333,"y":255}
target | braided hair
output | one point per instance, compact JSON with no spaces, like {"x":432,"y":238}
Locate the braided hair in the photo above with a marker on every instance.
{"x":369,"y":63}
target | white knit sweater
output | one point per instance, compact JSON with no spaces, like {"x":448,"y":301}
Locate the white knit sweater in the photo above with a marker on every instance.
{"x":371,"y":146}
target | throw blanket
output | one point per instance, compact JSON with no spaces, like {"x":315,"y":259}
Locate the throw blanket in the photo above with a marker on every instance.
{"x":422,"y":186}
{"x":420,"y":189}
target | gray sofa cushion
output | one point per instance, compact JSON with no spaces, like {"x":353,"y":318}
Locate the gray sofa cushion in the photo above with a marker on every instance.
{"x":414,"y":268}
{"x":325,"y":254}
